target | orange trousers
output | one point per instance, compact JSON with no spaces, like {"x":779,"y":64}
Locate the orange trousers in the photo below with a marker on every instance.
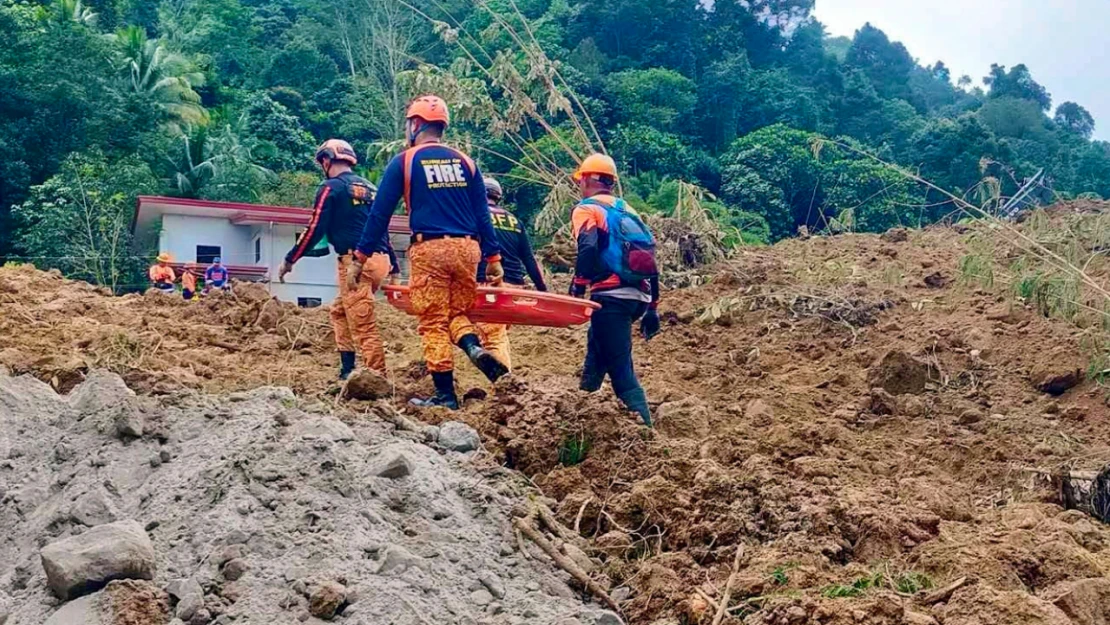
{"x":443,"y":288}
{"x":352,"y":313}
{"x":495,"y":338}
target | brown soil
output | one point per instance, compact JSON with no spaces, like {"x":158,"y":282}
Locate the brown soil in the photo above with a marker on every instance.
{"x":847,"y":407}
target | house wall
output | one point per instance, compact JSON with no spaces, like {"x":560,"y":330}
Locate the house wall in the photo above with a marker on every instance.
{"x":181,"y":234}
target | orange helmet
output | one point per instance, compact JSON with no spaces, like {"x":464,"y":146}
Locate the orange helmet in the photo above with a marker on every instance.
{"x":337,"y":150}
{"x":429,"y":108}
{"x":596,"y":164}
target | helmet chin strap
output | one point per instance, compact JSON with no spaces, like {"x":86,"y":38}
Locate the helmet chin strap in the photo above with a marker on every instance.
{"x":413,"y":134}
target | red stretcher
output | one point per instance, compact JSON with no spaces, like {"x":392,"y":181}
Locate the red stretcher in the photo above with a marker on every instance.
{"x":513,"y":306}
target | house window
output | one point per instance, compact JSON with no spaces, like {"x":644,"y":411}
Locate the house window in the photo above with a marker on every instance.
{"x":208,"y":253}
{"x":258,"y":250}
{"x":308,"y":302}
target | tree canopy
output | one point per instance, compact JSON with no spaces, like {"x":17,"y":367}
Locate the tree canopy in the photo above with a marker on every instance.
{"x":751,"y":101}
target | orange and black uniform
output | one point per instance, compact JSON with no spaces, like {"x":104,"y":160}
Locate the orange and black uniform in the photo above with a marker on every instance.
{"x":338,"y":217}
{"x":162,"y":276}
{"x":609,"y":348}
{"x":517,"y":259}
{"x":446,"y":201}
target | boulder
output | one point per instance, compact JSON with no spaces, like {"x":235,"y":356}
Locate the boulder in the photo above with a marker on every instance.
{"x":95,"y":508}
{"x":393,"y":466}
{"x":1055,"y":380}
{"x":100,"y":390}
{"x":1085,"y":601}
{"x":85,"y":610}
{"x":460,"y":437}
{"x":367,"y":385}
{"x":128,"y":421}
{"x":326,"y":599}
{"x":87,"y":562}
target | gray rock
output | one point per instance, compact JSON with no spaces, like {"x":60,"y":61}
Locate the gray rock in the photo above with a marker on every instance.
{"x":394,"y":467}
{"x":128,"y":421}
{"x":202,"y":617}
{"x":323,"y":428}
{"x":235,"y":569}
{"x":179,"y":588}
{"x":621,"y":594}
{"x":397,"y":560}
{"x":189,"y":605}
{"x":80,"y":564}
{"x":481,"y":597}
{"x":459,"y":437}
{"x":100,"y":390}
{"x":82,"y":611}
{"x":602,"y":617}
{"x":95,"y":508}
{"x":491,"y":581}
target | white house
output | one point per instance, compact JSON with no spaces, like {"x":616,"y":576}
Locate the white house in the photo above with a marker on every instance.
{"x":251,"y":240}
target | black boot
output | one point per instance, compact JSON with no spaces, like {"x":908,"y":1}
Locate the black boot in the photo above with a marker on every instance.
{"x":348,"y":360}
{"x":445,"y":393}
{"x":636,"y":401}
{"x":485,"y":361}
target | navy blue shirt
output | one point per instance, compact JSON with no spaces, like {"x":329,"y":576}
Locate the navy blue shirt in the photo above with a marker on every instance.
{"x":339,"y":218}
{"x":446,"y":196}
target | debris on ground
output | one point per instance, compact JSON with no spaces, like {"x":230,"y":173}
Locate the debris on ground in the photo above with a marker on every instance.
{"x":883,"y":434}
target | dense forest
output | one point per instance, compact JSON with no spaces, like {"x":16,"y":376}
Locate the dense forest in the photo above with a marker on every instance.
{"x":747,"y":105}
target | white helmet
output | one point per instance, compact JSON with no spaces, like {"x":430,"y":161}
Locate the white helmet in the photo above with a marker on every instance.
{"x":493,"y":189}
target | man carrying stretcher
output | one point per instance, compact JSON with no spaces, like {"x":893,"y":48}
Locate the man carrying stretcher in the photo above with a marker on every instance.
{"x":445,"y":198}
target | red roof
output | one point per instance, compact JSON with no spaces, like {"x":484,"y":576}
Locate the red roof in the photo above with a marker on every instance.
{"x":239,"y":213}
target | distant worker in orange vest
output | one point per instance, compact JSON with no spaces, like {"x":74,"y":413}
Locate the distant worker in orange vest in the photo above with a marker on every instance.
{"x":452,"y":231}
{"x":342,"y":203}
{"x":189,"y":282}
{"x":161,"y":274}
{"x":616,"y":263}
{"x":517,"y":258}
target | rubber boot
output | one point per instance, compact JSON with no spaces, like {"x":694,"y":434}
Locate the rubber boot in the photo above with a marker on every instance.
{"x":348,"y":360}
{"x":445,"y":393}
{"x":636,"y":401}
{"x":486,"y":362}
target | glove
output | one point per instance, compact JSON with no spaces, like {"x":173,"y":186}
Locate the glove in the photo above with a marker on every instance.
{"x":285,"y":268}
{"x":577,"y":290}
{"x":649,"y":325}
{"x":354,"y":272}
{"x":495,"y":273}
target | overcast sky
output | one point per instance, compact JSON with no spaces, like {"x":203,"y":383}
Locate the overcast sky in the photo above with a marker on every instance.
{"x":1064,"y":43}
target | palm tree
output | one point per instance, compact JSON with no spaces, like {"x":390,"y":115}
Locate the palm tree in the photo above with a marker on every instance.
{"x":217,"y":164}
{"x":65,"y":11}
{"x":167,"y":78}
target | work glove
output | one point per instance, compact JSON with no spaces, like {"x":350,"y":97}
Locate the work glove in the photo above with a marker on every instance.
{"x":649,"y":325}
{"x":495,"y":273}
{"x":354,"y":272}
{"x":285,"y":268}
{"x":577,"y":290}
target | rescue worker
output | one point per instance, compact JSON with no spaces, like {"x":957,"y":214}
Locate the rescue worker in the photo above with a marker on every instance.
{"x":451,"y":232}
{"x":339,"y":214}
{"x":215,"y":276}
{"x":609,"y":350}
{"x":517,"y":258}
{"x":188,"y":283}
{"x":161,"y":274}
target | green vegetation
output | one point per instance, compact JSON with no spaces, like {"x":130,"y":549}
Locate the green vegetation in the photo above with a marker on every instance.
{"x":750,"y":104}
{"x":906,"y":582}
{"x":574,"y":449}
